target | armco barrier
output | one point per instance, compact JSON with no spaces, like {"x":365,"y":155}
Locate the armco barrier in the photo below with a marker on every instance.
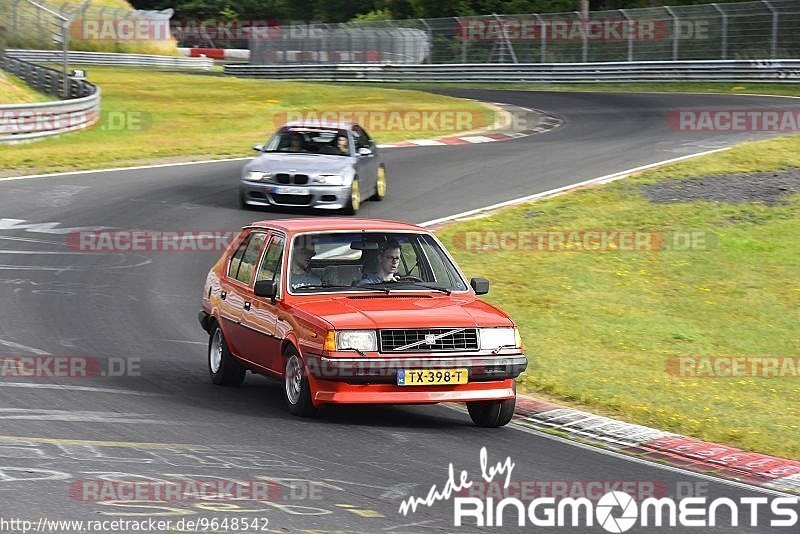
{"x":770,"y":70}
{"x":112,"y":58}
{"x":20,"y":122}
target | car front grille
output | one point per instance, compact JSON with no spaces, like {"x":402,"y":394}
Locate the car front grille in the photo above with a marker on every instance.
{"x":447,"y":339}
{"x":295,"y":200}
{"x":286,"y":179}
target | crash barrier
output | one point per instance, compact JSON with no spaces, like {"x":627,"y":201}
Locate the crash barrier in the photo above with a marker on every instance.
{"x":770,"y":70}
{"x":19,"y":122}
{"x":112,"y":58}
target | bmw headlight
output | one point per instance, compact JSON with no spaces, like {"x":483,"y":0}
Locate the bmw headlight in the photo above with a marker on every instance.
{"x":358,"y":340}
{"x":258,"y":176}
{"x":497,"y":338}
{"x":328,"y":179}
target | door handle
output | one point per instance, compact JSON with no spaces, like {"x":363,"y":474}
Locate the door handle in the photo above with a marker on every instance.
{"x":247,"y":306}
{"x":223,"y":294}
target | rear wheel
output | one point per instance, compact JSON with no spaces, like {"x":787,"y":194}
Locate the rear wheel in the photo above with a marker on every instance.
{"x":380,"y":186}
{"x":223,"y":368}
{"x":491,"y":414}
{"x":296,"y":390}
{"x":355,"y":199}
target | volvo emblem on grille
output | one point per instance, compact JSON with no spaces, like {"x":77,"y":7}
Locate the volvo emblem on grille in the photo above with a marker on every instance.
{"x":430,"y":339}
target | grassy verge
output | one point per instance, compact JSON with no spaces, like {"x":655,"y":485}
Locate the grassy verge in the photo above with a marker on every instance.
{"x":15,"y":91}
{"x":601,"y":327}
{"x":786,"y":89}
{"x":149,"y":115}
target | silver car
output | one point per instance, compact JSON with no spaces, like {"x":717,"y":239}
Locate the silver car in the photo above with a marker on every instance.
{"x":334,"y":167}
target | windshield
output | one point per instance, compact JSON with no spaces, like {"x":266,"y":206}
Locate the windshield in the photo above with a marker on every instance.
{"x":378,"y":261}
{"x":333,"y":142}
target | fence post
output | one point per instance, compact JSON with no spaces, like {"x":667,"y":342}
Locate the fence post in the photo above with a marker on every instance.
{"x":463,"y":43}
{"x":773,"y":49}
{"x":724,"y":36}
{"x":630,"y":34}
{"x":542,"y":37}
{"x":585,"y":52}
{"x":430,"y":39}
{"x":506,"y":42}
{"x":675,"y":31}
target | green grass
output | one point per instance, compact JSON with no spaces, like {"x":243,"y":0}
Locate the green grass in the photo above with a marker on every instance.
{"x":599,"y":327}
{"x":193,"y":116}
{"x":15,"y":91}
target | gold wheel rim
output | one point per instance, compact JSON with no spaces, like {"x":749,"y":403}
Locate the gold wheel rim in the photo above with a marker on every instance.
{"x":355,"y":195}
{"x":381,"y":182}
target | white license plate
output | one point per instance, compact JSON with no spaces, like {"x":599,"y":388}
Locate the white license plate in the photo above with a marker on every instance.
{"x":290,"y":190}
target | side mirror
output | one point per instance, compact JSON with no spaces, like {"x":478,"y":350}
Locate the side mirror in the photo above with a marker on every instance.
{"x":364,"y":151}
{"x":266,"y":288}
{"x":258,"y":148}
{"x":480,"y":285}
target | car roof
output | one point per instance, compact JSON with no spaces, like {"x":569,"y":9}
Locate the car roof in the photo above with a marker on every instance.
{"x":308,"y":224}
{"x":323,"y":124}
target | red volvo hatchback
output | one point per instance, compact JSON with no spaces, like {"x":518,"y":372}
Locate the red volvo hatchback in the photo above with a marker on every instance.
{"x":349,"y":311}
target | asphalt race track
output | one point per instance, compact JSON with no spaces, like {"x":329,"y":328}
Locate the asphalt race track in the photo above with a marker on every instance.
{"x":360,"y":462}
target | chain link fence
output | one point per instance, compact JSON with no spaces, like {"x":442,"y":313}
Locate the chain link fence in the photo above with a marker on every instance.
{"x":748,"y":30}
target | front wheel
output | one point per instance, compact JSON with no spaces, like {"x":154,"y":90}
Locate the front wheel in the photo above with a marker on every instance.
{"x":380,"y":185}
{"x":354,"y":202}
{"x":223,"y":368}
{"x":491,"y":414}
{"x":296,"y":390}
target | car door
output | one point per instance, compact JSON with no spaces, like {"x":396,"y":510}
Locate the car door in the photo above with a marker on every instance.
{"x":368,"y":165}
{"x":263,"y":342}
{"x":236,"y":289}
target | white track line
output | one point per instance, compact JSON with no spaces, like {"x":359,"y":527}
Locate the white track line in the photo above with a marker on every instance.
{"x":118,"y":169}
{"x":599,"y":180}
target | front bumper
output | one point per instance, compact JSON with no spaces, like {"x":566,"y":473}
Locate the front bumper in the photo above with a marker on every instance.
{"x":315,"y":196}
{"x":384,"y":370}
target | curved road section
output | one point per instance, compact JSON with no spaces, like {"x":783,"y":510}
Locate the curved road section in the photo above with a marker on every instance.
{"x":154,"y":415}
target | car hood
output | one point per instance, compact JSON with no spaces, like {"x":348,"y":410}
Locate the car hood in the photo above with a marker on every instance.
{"x":370,"y":311}
{"x":300,"y":163}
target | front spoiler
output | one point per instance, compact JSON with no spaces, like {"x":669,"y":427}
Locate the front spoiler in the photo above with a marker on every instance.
{"x":384,"y":370}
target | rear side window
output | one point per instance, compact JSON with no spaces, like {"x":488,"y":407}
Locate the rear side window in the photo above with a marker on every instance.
{"x":236,"y":259}
{"x":243,"y":266}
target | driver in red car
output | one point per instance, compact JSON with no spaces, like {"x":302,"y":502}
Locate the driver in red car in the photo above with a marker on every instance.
{"x":388,"y":262}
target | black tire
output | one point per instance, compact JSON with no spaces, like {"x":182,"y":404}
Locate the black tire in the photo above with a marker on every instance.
{"x":296,"y":393}
{"x":492,"y":414}
{"x":380,"y":190}
{"x":353,"y":204}
{"x":222,"y":366}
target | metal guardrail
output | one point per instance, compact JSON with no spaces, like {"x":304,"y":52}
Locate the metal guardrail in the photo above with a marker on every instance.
{"x":112,"y":58}
{"x":19,"y":122}
{"x":778,"y":70}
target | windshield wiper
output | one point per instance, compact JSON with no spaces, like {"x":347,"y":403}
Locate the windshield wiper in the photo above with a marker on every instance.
{"x":423,"y":284}
{"x":325,"y":286}
{"x":376,"y":285}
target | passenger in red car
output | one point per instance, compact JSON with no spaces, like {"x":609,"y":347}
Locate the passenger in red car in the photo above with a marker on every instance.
{"x":301,"y":262}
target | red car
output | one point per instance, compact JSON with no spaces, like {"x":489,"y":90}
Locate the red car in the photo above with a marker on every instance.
{"x":348,"y":311}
